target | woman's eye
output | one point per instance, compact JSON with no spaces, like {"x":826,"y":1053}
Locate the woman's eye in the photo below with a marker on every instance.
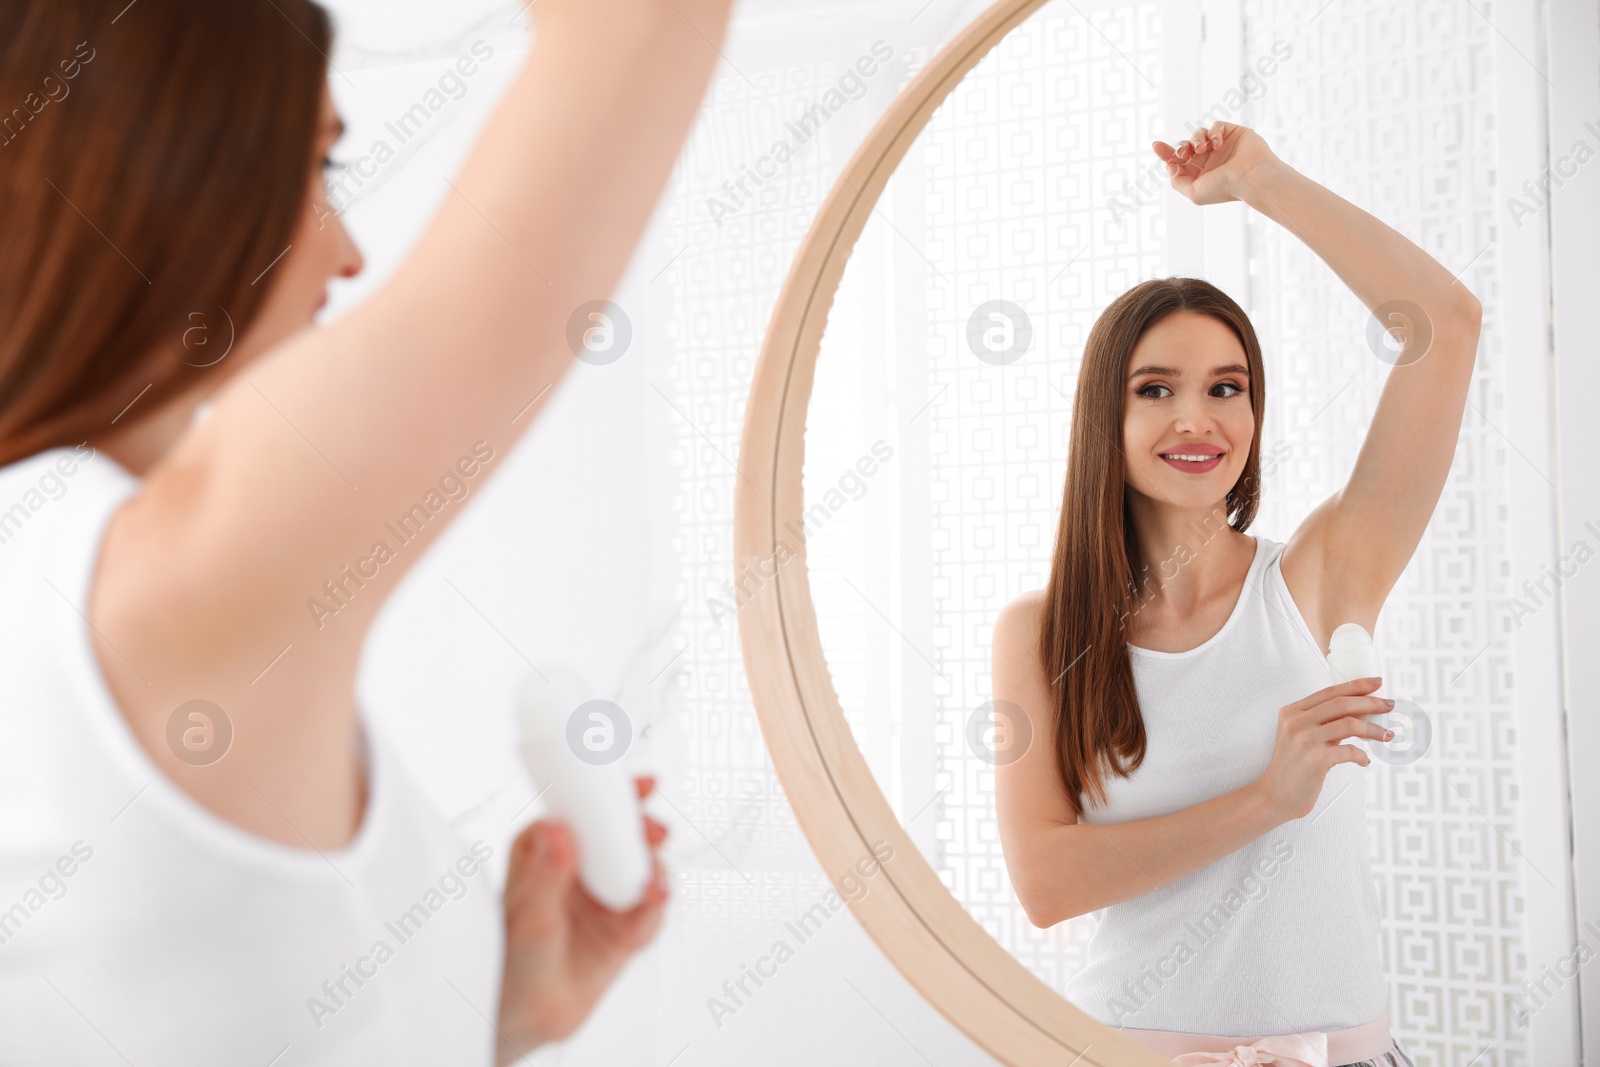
{"x":1145,"y":392}
{"x":330,"y":165}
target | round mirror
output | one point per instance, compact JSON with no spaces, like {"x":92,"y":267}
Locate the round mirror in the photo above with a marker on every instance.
{"x":909,"y":427}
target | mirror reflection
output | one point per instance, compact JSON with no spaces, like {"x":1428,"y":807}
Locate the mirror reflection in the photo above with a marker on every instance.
{"x":1133,"y":402}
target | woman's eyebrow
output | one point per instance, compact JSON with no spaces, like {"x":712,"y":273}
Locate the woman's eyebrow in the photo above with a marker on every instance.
{"x":1174,"y":372}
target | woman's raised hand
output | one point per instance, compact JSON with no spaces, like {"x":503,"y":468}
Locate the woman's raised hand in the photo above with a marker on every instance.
{"x":563,"y":948}
{"x":1212,"y":166}
{"x":1306,"y":747}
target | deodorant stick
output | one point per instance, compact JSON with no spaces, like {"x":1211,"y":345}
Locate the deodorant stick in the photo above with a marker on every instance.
{"x":1351,"y":655}
{"x":596,"y":800}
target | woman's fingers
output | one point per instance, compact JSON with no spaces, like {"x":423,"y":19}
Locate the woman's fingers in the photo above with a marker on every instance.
{"x":1199,"y":142}
{"x":1182,"y":154}
{"x":630,"y":930}
{"x":654,"y":832}
{"x":553,"y":851}
{"x":1184,"y":163}
{"x":541,"y":871}
{"x":656,"y":893}
{"x":1353,"y":687}
{"x":1349,"y":726}
{"x":1204,"y":140}
{"x":1340,"y":706}
{"x":1168,"y":155}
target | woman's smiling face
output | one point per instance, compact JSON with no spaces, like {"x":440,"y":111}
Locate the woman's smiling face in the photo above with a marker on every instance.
{"x":1188,"y":393}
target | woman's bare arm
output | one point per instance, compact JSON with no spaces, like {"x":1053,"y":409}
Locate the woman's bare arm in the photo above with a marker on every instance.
{"x":1355,"y":545}
{"x":1059,"y":867}
{"x":1362,"y":538}
{"x":309,"y":453}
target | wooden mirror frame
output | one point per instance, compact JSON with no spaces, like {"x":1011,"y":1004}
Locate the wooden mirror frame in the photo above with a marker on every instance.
{"x":923,"y":930}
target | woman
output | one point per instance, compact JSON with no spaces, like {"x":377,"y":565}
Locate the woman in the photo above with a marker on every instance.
{"x":1186,"y":780}
{"x":208,"y":853}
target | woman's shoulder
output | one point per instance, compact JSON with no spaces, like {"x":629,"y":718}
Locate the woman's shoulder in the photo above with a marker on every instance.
{"x":1025,"y":610}
{"x":1017,"y":626}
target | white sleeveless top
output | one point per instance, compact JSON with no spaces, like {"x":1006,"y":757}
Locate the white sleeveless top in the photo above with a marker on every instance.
{"x":1282,"y":935}
{"x":136,"y":926}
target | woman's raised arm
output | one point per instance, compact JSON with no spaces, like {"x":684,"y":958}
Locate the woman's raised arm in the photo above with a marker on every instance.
{"x":308,"y":453}
{"x":1359,"y":540}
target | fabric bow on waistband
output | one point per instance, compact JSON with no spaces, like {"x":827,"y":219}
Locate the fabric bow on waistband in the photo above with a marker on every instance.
{"x":1283,"y":1050}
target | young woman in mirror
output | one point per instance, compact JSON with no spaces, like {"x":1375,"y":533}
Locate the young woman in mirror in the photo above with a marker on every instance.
{"x":1187,"y":774}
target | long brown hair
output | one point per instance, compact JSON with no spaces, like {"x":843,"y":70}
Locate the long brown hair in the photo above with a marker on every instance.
{"x":153,"y":168}
{"x":1097,"y":571}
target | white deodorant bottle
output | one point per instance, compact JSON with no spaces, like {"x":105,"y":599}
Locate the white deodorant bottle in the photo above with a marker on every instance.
{"x":592,"y":793}
{"x":1351,"y":655}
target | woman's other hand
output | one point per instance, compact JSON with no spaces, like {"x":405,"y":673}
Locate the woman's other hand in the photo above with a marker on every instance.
{"x":1307,"y":744}
{"x":1213,"y":166}
{"x":563,"y":947}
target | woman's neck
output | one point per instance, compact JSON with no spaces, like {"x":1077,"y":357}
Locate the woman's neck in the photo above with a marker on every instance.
{"x":1188,"y":557}
{"x":139,"y":444}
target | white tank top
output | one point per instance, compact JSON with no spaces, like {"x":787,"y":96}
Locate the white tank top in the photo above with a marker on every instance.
{"x":1282,"y":935}
{"x":138,"y":927}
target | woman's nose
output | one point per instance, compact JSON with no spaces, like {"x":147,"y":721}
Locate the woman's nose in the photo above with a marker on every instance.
{"x":1192,"y":417}
{"x":351,"y":262}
